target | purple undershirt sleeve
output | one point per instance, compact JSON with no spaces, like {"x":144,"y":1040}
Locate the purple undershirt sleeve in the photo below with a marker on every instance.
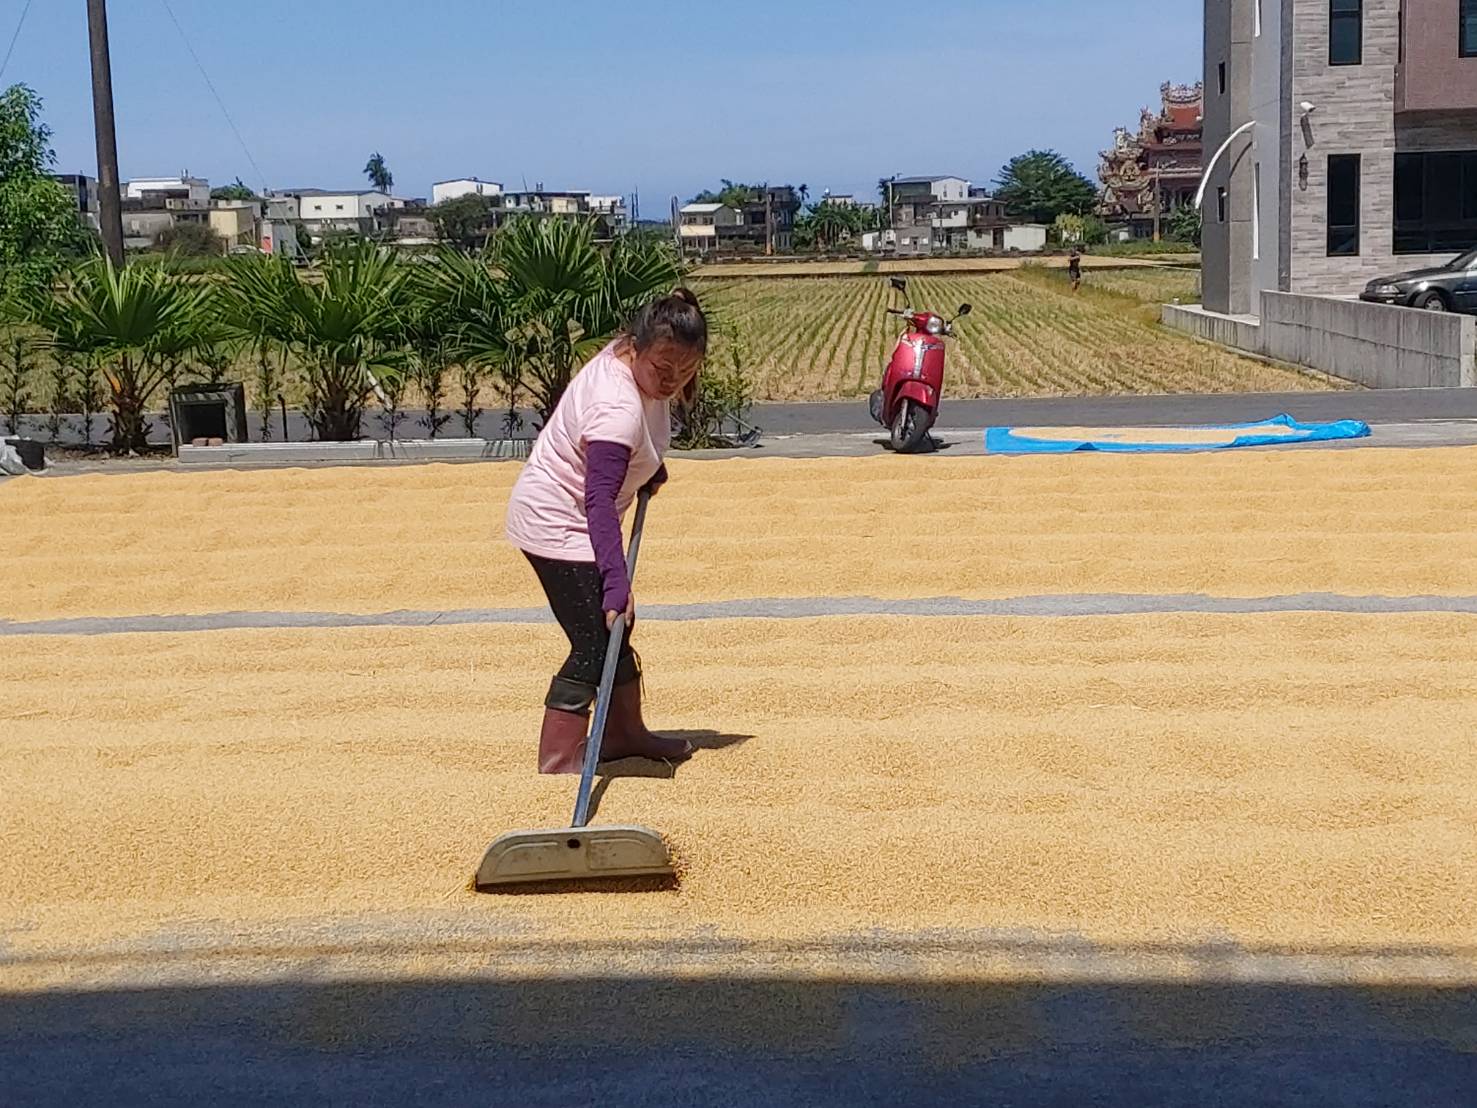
{"x":604,"y":476}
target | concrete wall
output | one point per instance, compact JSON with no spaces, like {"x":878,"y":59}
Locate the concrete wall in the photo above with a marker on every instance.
{"x":1369,"y":344}
{"x":1239,"y":333}
{"x":1373,"y":345}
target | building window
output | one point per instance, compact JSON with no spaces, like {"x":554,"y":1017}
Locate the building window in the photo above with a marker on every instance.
{"x":1220,"y":205}
{"x":1221,"y":77}
{"x":1468,"y":35}
{"x":1435,"y":202}
{"x":1345,"y":32}
{"x":1343,"y":205}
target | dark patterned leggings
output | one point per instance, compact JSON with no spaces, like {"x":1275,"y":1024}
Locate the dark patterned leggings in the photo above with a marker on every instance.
{"x":576,"y":592}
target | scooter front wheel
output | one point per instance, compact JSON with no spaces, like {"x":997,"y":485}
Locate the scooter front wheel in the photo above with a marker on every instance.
{"x":874,"y":405}
{"x":910,"y":426}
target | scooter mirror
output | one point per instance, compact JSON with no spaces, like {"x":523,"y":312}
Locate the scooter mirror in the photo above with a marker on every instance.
{"x":900,"y":284}
{"x":965,"y":309}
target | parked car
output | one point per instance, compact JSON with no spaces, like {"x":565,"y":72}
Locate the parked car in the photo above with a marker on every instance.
{"x":1448,"y":288}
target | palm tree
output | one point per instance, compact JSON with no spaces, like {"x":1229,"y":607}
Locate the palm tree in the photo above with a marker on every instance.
{"x":118,"y":316}
{"x":379,"y":173}
{"x":552,"y":270}
{"x":346,"y":329}
{"x":560,"y":298}
{"x":475,"y":302}
{"x":256,"y":305}
{"x":429,"y":328}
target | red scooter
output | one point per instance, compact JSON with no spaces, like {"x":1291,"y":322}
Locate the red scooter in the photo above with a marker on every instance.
{"x":913,"y":386}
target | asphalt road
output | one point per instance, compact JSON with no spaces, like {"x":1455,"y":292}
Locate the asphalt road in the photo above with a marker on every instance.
{"x":1369,"y":405}
{"x":1393,"y":406}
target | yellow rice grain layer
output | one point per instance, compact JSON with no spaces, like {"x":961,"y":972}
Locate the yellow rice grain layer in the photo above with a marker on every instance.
{"x":1299,"y":781}
{"x":430,"y":537}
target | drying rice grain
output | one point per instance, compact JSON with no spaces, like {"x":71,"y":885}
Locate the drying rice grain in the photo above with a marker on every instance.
{"x":367,"y":540}
{"x":1299,"y":781}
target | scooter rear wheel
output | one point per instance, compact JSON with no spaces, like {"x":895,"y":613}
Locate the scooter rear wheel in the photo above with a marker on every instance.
{"x":910,"y":426}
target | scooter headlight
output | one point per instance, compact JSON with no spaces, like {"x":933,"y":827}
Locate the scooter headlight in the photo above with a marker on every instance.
{"x":935,"y":326}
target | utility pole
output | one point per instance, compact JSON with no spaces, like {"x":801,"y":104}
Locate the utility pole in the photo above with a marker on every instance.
{"x":110,"y":199}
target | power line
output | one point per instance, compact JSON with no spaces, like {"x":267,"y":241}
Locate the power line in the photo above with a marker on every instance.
{"x":15,"y":37}
{"x":262,"y":177}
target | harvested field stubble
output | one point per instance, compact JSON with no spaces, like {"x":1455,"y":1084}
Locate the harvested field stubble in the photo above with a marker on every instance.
{"x":357,"y":540}
{"x":1029,"y":335}
{"x":1287,"y":781}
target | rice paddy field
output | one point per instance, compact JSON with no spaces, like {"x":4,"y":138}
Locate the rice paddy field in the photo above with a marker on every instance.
{"x":939,"y":825}
{"x":1029,"y":335}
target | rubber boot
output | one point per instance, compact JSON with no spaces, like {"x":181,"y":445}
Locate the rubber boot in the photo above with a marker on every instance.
{"x":561,"y":742}
{"x":626,"y":735}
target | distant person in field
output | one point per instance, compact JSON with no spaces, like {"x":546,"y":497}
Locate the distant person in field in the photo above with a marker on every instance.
{"x":604,"y":443}
{"x":1074,"y":268}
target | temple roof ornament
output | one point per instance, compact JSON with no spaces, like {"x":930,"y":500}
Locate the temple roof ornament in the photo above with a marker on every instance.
{"x":1167,"y":147}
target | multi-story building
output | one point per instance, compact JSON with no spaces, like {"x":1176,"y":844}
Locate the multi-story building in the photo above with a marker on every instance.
{"x":363,"y":211}
{"x":612,"y":210}
{"x":699,"y":226}
{"x":916,"y":189}
{"x":1345,"y":134}
{"x":84,"y":190}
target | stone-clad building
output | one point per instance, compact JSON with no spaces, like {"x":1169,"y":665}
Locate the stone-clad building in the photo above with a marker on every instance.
{"x":1349,"y":130}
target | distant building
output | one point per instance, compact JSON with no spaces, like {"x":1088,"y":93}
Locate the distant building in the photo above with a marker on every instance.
{"x":701,"y":225}
{"x":236,"y":221}
{"x":612,"y":209}
{"x":278,"y":236}
{"x":84,"y":190}
{"x":915,"y":189}
{"x":183,"y":187}
{"x":932,"y":215}
{"x":443,"y":191}
{"x":1147,"y":176}
{"x":766,"y":224}
{"x":324,"y":211}
{"x":542,"y":201}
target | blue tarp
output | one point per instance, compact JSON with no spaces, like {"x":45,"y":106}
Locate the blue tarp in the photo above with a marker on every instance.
{"x":1269,"y":432}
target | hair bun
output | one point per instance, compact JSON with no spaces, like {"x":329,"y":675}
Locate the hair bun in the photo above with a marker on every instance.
{"x":686,"y":295}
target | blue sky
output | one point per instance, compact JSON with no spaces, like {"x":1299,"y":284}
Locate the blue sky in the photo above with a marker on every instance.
{"x":611,"y":96}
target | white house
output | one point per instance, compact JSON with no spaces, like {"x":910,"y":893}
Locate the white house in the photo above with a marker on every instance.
{"x":1027,"y":238}
{"x":441,"y":191}
{"x":699,"y":225}
{"x":939,"y":188}
{"x":351,"y":210}
{"x":183,"y":187}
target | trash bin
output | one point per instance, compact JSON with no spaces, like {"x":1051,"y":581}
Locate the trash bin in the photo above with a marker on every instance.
{"x":32,"y":453}
{"x":207,"y":412}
